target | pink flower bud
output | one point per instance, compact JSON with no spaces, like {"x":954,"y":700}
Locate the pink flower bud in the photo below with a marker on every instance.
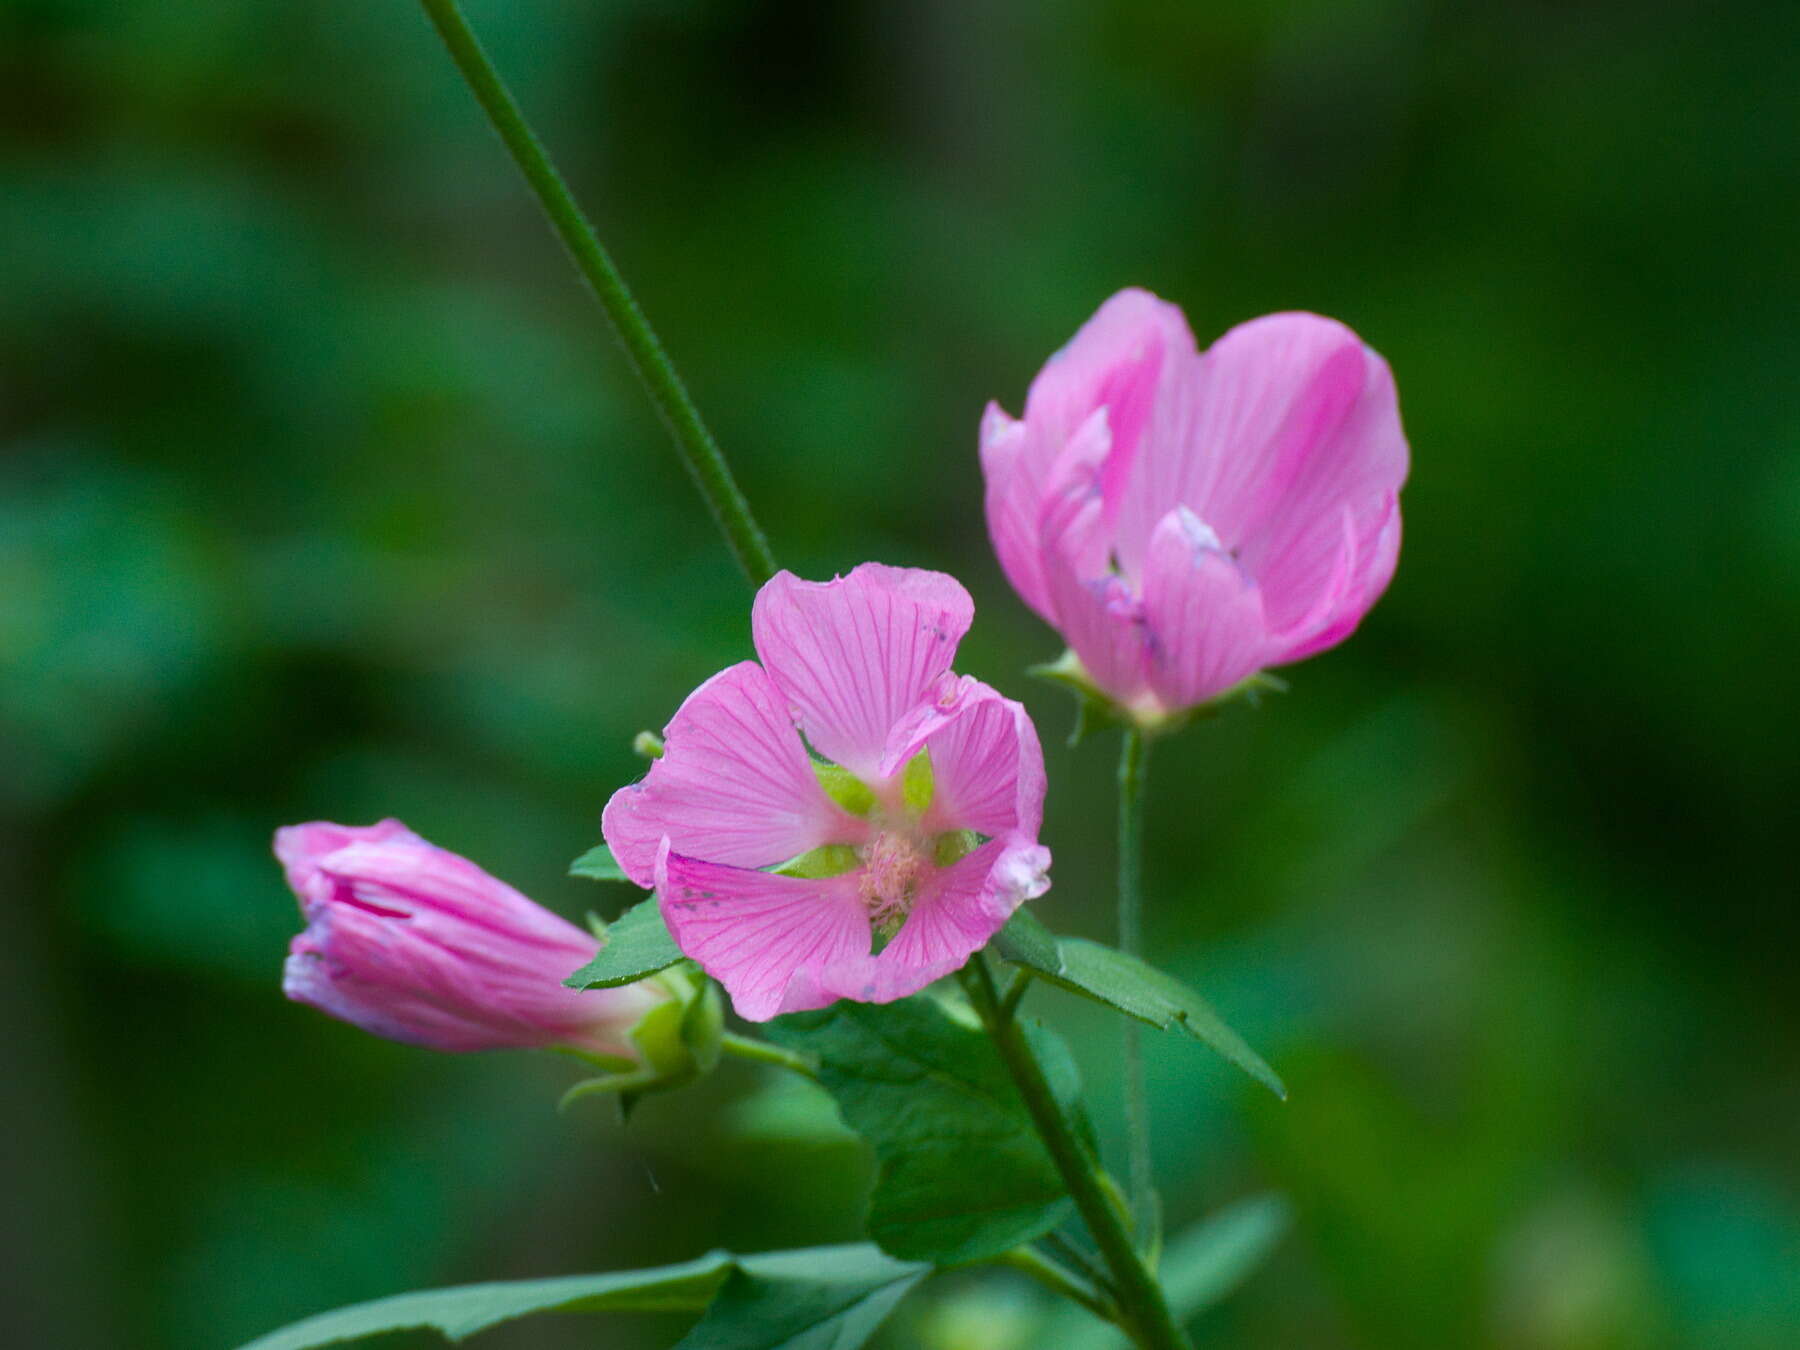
{"x":411,"y":942}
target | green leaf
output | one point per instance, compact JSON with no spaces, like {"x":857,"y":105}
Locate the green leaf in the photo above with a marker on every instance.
{"x":1026,"y":942}
{"x":1199,"y":1268}
{"x":687,"y":1287}
{"x":962,"y":1174}
{"x":825,"y":1299}
{"x":598,"y":864}
{"x":1130,"y":986}
{"x":637,"y":944}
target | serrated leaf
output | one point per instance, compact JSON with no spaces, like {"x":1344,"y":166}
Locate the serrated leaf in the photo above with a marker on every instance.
{"x":1130,"y":986}
{"x":598,"y":864}
{"x":962,"y":1173}
{"x":636,"y":944}
{"x":805,"y":1303}
{"x":467,"y":1309}
{"x":1199,"y":1268}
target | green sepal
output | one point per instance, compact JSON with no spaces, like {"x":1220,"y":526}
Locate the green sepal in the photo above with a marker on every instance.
{"x":845,"y":788}
{"x":827,"y":860}
{"x":1095,"y":709}
{"x":918,"y":784}
{"x":677,"y":1042}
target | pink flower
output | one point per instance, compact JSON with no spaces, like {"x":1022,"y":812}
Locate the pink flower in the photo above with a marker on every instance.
{"x":411,"y":942}
{"x":899,"y":854}
{"x":1186,"y":519}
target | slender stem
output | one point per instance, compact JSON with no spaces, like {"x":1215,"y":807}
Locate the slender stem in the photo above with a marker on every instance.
{"x":1057,"y":1280}
{"x":747,"y":1047}
{"x":1144,"y":1312}
{"x":1145,"y":1207}
{"x":693,"y":441}
{"x":1078,"y":1257}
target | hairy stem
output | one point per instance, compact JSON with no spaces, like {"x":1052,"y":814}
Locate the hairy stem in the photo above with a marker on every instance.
{"x":1145,"y":1207}
{"x":1143,"y":1310}
{"x":693,"y":441}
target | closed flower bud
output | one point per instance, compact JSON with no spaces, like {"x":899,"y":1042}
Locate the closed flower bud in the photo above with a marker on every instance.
{"x":414,"y":943}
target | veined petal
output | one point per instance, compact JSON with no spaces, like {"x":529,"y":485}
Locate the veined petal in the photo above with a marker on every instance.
{"x":734,"y":785}
{"x":1359,"y":469}
{"x":438,"y":893}
{"x":1279,"y":426}
{"x":300,"y":849}
{"x":987,"y":766}
{"x":963,"y":906}
{"x":1124,"y":359}
{"x":1014,"y":465}
{"x":1203,"y":612}
{"x":765,"y":937}
{"x":1095,"y":612}
{"x":854,"y":655}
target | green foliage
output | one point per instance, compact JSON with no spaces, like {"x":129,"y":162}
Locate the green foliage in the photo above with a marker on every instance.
{"x":637,"y":944}
{"x":828,"y":1298}
{"x":1198,"y":1269}
{"x":598,"y":864}
{"x":962,"y":1173}
{"x":772,"y":1301}
{"x":1128,"y":985}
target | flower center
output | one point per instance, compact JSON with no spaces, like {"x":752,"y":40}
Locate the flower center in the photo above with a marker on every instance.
{"x":893,"y":866}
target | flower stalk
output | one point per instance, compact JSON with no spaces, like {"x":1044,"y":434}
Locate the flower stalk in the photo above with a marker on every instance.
{"x":1143,"y":1310}
{"x":1145,"y":1205}
{"x":695,"y":444}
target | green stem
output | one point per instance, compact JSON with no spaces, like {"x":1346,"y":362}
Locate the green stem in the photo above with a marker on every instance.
{"x":1145,"y":1208}
{"x":693,"y":441}
{"x":747,"y":1047}
{"x":1143,"y":1310}
{"x":1057,"y":1280}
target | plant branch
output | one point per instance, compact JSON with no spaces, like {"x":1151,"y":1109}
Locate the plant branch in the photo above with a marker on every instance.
{"x":1057,"y":1280}
{"x":693,"y":441}
{"x":1144,"y":1311}
{"x":748,"y":1047}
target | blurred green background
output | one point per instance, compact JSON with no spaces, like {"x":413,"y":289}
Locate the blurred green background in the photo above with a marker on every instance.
{"x":324,"y":493}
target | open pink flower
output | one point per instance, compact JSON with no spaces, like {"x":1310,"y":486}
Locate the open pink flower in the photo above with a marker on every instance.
{"x":1186,"y":519}
{"x":414,"y":943}
{"x":874,"y":869}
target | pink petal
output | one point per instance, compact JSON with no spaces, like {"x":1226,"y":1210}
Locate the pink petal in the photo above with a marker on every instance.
{"x":766,"y":938}
{"x":1124,"y":360}
{"x":734,"y":785}
{"x":1287,"y":421}
{"x":1203,"y":612}
{"x":987,"y":766}
{"x":1013,"y":468}
{"x":965,"y":905}
{"x":442,"y":894}
{"x":856,"y":654}
{"x":299,"y":849}
{"x":1361,"y":469}
{"x":1095,"y":612}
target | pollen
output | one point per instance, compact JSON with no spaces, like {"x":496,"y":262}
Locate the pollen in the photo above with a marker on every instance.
{"x":893,"y":867}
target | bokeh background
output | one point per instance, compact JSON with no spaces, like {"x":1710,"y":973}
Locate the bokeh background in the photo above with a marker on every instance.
{"x":324,"y":493}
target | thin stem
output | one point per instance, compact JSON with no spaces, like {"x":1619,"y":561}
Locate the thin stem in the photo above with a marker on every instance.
{"x":1143,"y":1310}
{"x":1145,"y":1209}
{"x":1076,"y":1256}
{"x":693,"y":441}
{"x":748,"y":1047}
{"x":1057,"y":1280}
